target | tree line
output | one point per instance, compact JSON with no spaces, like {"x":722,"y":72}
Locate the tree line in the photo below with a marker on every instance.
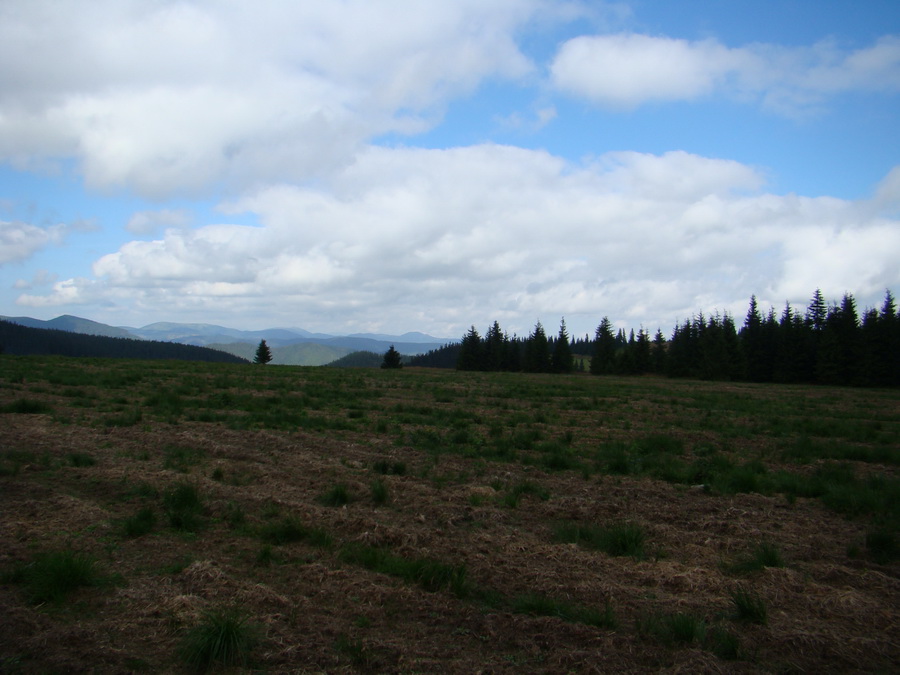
{"x":825,"y":343}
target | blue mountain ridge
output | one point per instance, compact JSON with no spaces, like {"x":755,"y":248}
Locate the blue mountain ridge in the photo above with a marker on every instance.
{"x":202,"y":334}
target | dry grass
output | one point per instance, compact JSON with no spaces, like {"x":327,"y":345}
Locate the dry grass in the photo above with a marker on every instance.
{"x":444,"y":576}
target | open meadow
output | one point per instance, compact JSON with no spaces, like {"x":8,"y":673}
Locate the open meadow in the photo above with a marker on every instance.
{"x":174,"y":517}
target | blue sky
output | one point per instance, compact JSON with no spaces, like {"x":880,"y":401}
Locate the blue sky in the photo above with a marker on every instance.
{"x":392,"y":166}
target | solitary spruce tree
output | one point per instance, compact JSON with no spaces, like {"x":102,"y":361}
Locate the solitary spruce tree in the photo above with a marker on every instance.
{"x":263,"y":353}
{"x":392,"y":359}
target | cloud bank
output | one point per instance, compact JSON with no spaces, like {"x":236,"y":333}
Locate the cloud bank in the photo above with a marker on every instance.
{"x":442,"y":238}
{"x":171,"y":97}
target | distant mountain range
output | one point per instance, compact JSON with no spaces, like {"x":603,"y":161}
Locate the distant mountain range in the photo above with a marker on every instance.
{"x":290,"y":346}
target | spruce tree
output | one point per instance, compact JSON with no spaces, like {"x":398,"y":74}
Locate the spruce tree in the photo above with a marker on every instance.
{"x":537,"y":351}
{"x":603,"y":360}
{"x":658,"y":353}
{"x":392,"y":359}
{"x":470,"y":354}
{"x":562,"y":361}
{"x":494,"y":354}
{"x":263,"y":353}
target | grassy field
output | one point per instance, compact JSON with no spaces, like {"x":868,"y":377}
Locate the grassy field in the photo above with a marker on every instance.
{"x":181,"y":517}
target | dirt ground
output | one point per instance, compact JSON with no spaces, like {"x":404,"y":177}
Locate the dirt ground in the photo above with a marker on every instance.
{"x":828,"y":612}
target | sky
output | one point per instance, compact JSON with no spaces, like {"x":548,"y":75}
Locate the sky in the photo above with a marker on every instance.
{"x":387,"y":166}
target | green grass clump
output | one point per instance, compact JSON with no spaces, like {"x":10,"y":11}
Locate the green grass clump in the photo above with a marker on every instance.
{"x":526,"y":487}
{"x":615,"y":539}
{"x":140,"y":523}
{"x":680,"y":628}
{"x":53,"y":575}
{"x":284,"y":531}
{"x":184,"y":507}
{"x":234,"y":515}
{"x":723,"y":643}
{"x":81,"y":459}
{"x":431,"y":575}
{"x":223,"y":638}
{"x":380,"y":493}
{"x":749,"y":606}
{"x":26,"y":406}
{"x":762,"y":555}
{"x":337,"y":495}
{"x":385,"y":468}
{"x":542,"y":605}
{"x":181,"y":457}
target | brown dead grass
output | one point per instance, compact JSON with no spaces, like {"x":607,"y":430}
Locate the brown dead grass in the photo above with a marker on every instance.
{"x":827,"y":612}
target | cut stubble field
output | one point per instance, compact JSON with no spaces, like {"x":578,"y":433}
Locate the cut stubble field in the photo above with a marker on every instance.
{"x":181,"y":517}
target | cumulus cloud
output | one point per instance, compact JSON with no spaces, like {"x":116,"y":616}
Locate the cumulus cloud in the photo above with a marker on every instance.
{"x":444,"y":238}
{"x":19,"y":241}
{"x":173,"y":96}
{"x":627,"y":70}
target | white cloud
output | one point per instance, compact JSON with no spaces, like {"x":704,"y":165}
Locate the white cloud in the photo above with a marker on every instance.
{"x":627,"y":70}
{"x":148,"y":222}
{"x":170,"y":97}
{"x":19,"y":241}
{"x":445,"y":238}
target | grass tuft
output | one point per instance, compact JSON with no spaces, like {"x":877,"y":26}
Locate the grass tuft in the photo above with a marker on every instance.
{"x":541,"y":605}
{"x":380,"y":493}
{"x":615,"y":539}
{"x":749,"y":606}
{"x":431,"y":575}
{"x":337,"y":495}
{"x":140,"y":523}
{"x":764,"y":554}
{"x":184,"y":507}
{"x":53,"y":575}
{"x":223,"y":638}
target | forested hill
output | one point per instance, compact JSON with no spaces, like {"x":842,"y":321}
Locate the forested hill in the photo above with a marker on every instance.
{"x":22,"y":340}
